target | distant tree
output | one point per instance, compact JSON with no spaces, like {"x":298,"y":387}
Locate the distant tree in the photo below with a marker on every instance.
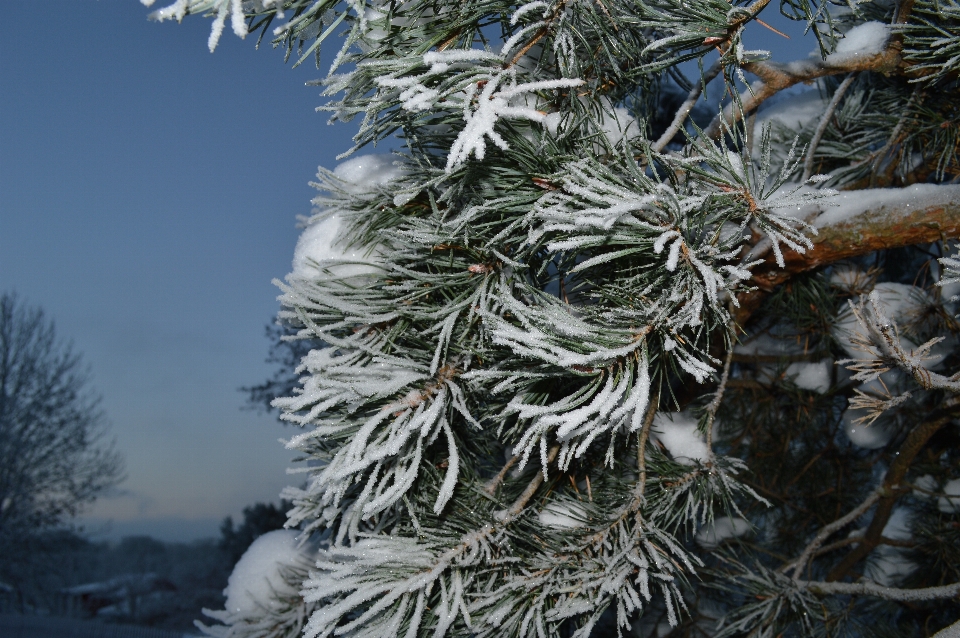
{"x":54,"y":454}
{"x":258,"y":519}
{"x":286,"y":351}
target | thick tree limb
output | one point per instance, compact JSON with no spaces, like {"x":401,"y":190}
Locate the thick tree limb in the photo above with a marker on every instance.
{"x":877,"y":219}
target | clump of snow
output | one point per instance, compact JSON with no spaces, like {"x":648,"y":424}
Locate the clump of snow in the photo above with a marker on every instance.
{"x":764,"y":344}
{"x":861,"y":41}
{"x":365,"y":173}
{"x":320,"y":247}
{"x":925,"y":483}
{"x":257,"y":582}
{"x":617,"y":123}
{"x":888,"y":564}
{"x":723,"y":528}
{"x":871,"y":437}
{"x":852,"y":280}
{"x":794,"y":111}
{"x":810,"y":376}
{"x":949,"y":503}
{"x":677,"y":431}
{"x":898,"y":302}
{"x":563,"y":515}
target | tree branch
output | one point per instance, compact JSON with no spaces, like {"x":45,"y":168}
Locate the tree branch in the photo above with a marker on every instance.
{"x":887,"y":593}
{"x":885,"y":218}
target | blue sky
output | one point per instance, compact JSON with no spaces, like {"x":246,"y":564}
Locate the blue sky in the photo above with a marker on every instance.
{"x":148,"y":195}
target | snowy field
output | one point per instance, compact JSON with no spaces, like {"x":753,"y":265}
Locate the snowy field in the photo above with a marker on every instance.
{"x":13,"y":626}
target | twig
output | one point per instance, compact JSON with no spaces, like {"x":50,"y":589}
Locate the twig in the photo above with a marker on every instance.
{"x":686,"y":107}
{"x":514,"y":510}
{"x":643,"y":436}
{"x":825,"y":532}
{"x":492,"y":485}
{"x":824,"y":123}
{"x":887,"y":593}
{"x":714,"y":404}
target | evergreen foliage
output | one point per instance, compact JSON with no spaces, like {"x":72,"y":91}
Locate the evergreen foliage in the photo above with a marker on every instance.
{"x":590,"y":359}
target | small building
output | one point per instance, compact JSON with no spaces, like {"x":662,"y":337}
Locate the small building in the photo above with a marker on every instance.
{"x":120,"y":596}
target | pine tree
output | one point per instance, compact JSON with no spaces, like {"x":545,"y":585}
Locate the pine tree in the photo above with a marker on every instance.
{"x":611,"y":350}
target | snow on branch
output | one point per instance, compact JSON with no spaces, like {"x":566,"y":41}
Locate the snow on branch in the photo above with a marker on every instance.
{"x":220,"y":9}
{"x":479,"y":83}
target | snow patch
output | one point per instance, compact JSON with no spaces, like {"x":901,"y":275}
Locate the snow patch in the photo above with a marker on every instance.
{"x":365,"y":173}
{"x":949,"y":503}
{"x":563,"y":516}
{"x":320,"y":248}
{"x":888,"y":564}
{"x":723,"y":528}
{"x":870,"y":437}
{"x":794,"y":112}
{"x":885,"y":202}
{"x":677,"y":431}
{"x":257,"y":582}
{"x":926,"y":483}
{"x":861,"y":41}
{"x":810,"y":376}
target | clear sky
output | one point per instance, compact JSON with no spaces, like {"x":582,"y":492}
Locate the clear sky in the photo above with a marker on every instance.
{"x":148,"y":194}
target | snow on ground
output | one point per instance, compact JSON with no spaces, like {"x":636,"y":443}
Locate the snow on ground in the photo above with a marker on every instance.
{"x":723,"y":528}
{"x":257,"y":581}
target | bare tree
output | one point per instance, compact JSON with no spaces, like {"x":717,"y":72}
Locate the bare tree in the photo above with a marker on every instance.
{"x":55,"y":456}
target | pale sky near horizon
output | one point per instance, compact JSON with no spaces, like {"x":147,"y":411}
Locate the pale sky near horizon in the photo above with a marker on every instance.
{"x":148,"y":194}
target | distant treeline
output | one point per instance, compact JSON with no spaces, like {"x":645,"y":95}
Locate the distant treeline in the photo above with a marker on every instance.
{"x":138,"y":580}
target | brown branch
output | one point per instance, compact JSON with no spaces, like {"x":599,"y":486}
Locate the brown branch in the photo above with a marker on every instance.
{"x":892,"y":487}
{"x":900,"y":221}
{"x":514,"y":510}
{"x":492,"y":485}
